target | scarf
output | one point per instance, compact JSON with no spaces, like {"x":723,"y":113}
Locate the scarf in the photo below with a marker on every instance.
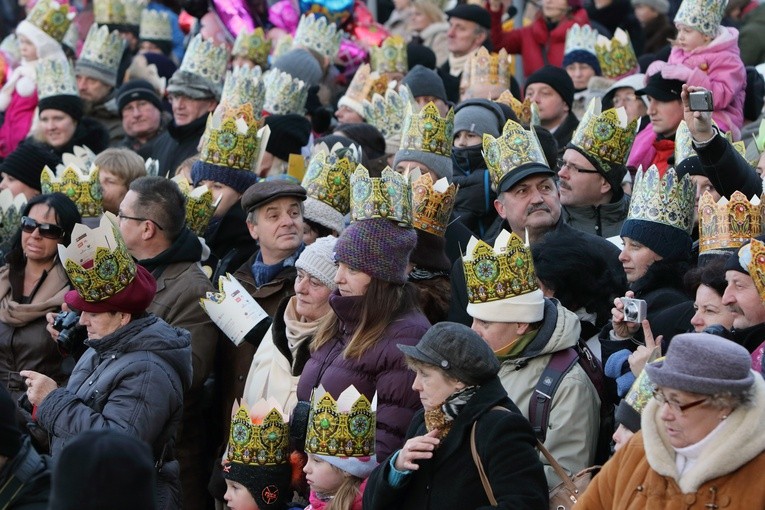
{"x":516,"y":347}
{"x":443,"y":416}
{"x":457,"y":64}
{"x":48,"y":296}
{"x":687,"y":456}
{"x":265,"y":273}
{"x":296,"y":330}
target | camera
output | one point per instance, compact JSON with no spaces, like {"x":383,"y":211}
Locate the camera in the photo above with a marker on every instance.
{"x":701,"y":101}
{"x":634,"y":309}
{"x":71,"y":335}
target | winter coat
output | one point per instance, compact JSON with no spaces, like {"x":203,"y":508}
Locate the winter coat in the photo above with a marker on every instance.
{"x":132,"y":380}
{"x":145,"y":149}
{"x":18,"y":99}
{"x":451,"y":83}
{"x":716,"y":67}
{"x":619,"y":14}
{"x":536,"y":43}
{"x":648,"y":149}
{"x":750,"y":38}
{"x":450,"y":480}
{"x":380,"y":369}
{"x":565,"y":132}
{"x":474,"y":204}
{"x":601,"y":220}
{"x":177,"y":144}
{"x":658,"y":32}
{"x":572,"y":432}
{"x":33,"y":470}
{"x":727,"y":169}
{"x":434,"y":37}
{"x":397,"y":23}
{"x":89,"y":132}
{"x":643,"y":475}
{"x":230,"y":242}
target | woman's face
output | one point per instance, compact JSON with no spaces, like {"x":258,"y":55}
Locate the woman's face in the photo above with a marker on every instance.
{"x":621,"y":436}
{"x":322,"y":476}
{"x":351,"y":282}
{"x":238,"y":497}
{"x":636,"y":259}
{"x":311,"y":297}
{"x":580,"y":73}
{"x":418,"y":21}
{"x":16,"y":186}
{"x":100,"y":324}
{"x":554,"y":10}
{"x":688,"y":427}
{"x":36,"y":247}
{"x":27,"y":49}
{"x":710,"y":310}
{"x":113,"y":189}
{"x":57,"y":127}
{"x":433,"y":386}
{"x":226,"y":196}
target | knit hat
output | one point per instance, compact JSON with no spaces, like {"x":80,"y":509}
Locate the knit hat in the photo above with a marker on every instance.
{"x":555,"y":77}
{"x":704,"y":364}
{"x":478,"y":116}
{"x":471,"y":12}
{"x":10,"y":435}
{"x":703,"y":16}
{"x":318,"y":260}
{"x":425,"y":82}
{"x":26,"y":163}
{"x":367,"y":246}
{"x":324,"y":214}
{"x":418,"y":54}
{"x":429,"y":253}
{"x":135,"y":90}
{"x":71,"y":105}
{"x":135,"y":298}
{"x":631,"y":406}
{"x":289,"y":134}
{"x":457,"y":350}
{"x":301,"y":64}
{"x":660,"y":6}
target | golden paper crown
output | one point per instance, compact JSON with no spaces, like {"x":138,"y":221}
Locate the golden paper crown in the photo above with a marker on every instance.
{"x":10,"y":217}
{"x":514,"y":148}
{"x":387,"y":112}
{"x":103,"y":48}
{"x":485,"y":68}
{"x":616,"y":56}
{"x":328,"y":178}
{"x":233,"y":138}
{"x":155,"y":26}
{"x":605,"y":136}
{"x":390,"y":56}
{"x":702,"y":15}
{"x":259,"y":434}
{"x":500,"y":272}
{"x":427,"y":131}
{"x":283,"y":45}
{"x":432,"y":203}
{"x":316,"y":33}
{"x":388,"y":196}
{"x":580,"y":38}
{"x":110,"y":266}
{"x":55,"y":78}
{"x":728,"y":223}
{"x":133,"y":10}
{"x":341,"y":428}
{"x":79,"y":185}
{"x":252,"y":46}
{"x":284,"y":94}
{"x":522,"y":110}
{"x":245,"y":85}
{"x":200,"y":205}
{"x":206,"y":60}
{"x":663,"y":199}
{"x":51,"y":17}
{"x":110,"y":12}
{"x":683,"y":143}
{"x":360,"y":87}
{"x":754,"y":255}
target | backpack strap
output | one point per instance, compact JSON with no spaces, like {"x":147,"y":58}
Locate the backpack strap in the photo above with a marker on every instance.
{"x":541,"y":400}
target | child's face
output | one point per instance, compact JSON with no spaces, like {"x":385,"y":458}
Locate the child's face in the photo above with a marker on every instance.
{"x":27,"y":49}
{"x":238,"y":497}
{"x":322,"y":476}
{"x":689,"y":38}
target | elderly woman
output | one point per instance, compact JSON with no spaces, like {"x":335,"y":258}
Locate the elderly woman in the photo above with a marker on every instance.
{"x":464,"y":402}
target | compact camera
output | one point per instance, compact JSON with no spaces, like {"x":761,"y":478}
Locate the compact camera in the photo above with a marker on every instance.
{"x":634,"y":309}
{"x":701,"y":101}
{"x":71,"y":335}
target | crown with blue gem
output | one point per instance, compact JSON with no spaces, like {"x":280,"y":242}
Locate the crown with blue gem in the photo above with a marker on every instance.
{"x":606,"y":136}
{"x":514,"y":148}
{"x":253,"y":46}
{"x":317,"y":33}
{"x":102,"y":50}
{"x":259,"y":434}
{"x":387,"y":114}
{"x":616,"y":56}
{"x":390,"y":56}
{"x":245,"y":85}
{"x":284,"y":94}
{"x":702,"y":15}
{"x":51,"y":17}
{"x":155,"y":26}
{"x":388,"y":196}
{"x":55,"y":78}
{"x":663,"y":199}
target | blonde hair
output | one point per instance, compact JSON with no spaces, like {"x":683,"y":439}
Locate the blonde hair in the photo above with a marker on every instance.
{"x":347,"y":493}
{"x":122,"y":163}
{"x":430,"y":10}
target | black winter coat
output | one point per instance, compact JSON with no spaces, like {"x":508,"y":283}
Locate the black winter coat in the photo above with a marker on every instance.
{"x":177,"y":144}
{"x":727,"y":169}
{"x":33,"y":470}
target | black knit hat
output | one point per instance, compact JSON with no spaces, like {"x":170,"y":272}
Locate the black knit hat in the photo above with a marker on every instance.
{"x":289,"y":134}
{"x":71,"y":105}
{"x":135,"y":90}
{"x":26,"y":163}
{"x":418,"y":54}
{"x":268,"y":485}
{"x":470,"y":12}
{"x":10,"y":436}
{"x":555,"y":77}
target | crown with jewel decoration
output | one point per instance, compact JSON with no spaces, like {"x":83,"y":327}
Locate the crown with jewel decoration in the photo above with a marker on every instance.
{"x":10,"y":217}
{"x":388,"y":196}
{"x":432,"y":202}
{"x":616,"y":56}
{"x":341,"y":428}
{"x":390,"y":56}
{"x":133,"y":10}
{"x":284,"y":94}
{"x":283,"y":45}
{"x":427,"y":131}
{"x":605,"y":136}
{"x":581,"y":38}
{"x":155,"y":26}
{"x":245,"y":85}
{"x":51,"y":17}
{"x":253,"y":46}
{"x":102,"y":49}
{"x":515,"y":148}
{"x":683,"y":143}
{"x":328,"y":177}
{"x":79,"y":185}
{"x":233,"y":138}
{"x":317,"y":33}
{"x":206,"y":60}
{"x":200,"y":205}
{"x":753,"y":255}
{"x":663,"y":199}
{"x":728,"y":223}
{"x":485,"y":68}
{"x":361,"y":89}
{"x":522,"y":110}
{"x":386,"y":113}
{"x":55,"y":78}
{"x":110,"y":12}
{"x":259,"y":434}
{"x":110,"y":268}
{"x":702,"y":15}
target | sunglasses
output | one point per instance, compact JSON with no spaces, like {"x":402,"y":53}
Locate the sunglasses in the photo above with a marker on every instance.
{"x":47,"y":230}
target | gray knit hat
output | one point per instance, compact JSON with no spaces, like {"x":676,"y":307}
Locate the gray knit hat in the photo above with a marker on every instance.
{"x":478,"y":116}
{"x":660,"y":6}
{"x":440,"y":165}
{"x":301,"y":64}
{"x":704,"y":364}
{"x":425,"y":82}
{"x":324,"y":214}
{"x":318,"y":260}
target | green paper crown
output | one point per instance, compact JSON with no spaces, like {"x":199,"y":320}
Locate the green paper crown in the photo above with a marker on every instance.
{"x":110,"y":12}
{"x":616,"y":56}
{"x":328,"y":177}
{"x":200,"y":205}
{"x":387,"y":112}
{"x":390,"y":56}
{"x":253,"y":46}
{"x":232,"y":138}
{"x":79,"y":185}
{"x":10,"y":217}
{"x":607,"y":136}
{"x":284,"y":94}
{"x":103,"y":48}
{"x":245,"y":85}
{"x":341,"y":428}
{"x":55,"y":78}
{"x":663,"y":199}
{"x":427,"y":131}
{"x":155,"y":26}
{"x":514,"y":148}
{"x":318,"y":34}
{"x":259,"y":435}
{"x":206,"y":60}
{"x":51,"y":17}
{"x":388,"y":196}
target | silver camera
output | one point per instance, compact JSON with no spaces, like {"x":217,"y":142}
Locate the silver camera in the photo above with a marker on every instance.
{"x":634,"y":309}
{"x":701,"y":101}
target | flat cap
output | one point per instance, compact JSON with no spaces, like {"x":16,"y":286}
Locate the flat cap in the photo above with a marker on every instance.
{"x":264,"y":192}
{"x":470,"y":12}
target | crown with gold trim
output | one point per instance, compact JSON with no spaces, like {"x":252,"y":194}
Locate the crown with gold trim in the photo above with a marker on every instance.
{"x":79,"y":185}
{"x":110,"y":266}
{"x":663,"y":199}
{"x":390,"y":56}
{"x":728,"y":223}
{"x":486,"y":68}
{"x":432,"y":202}
{"x":328,"y":177}
{"x":341,"y":428}
{"x":387,"y":113}
{"x":607,"y":136}
{"x":522,"y":110}
{"x":360,"y":89}
{"x":616,"y":56}
{"x":388,"y":196}
{"x":259,"y":434}
{"x":702,"y":15}
{"x":205,"y":59}
{"x":133,"y":10}
{"x":427,"y":131}
{"x":233,"y":138}
{"x":102,"y":49}
{"x":200,"y":205}
{"x":683,"y":143}
{"x":753,"y":256}
{"x":283,"y":45}
{"x":580,"y":38}
{"x":110,"y":12}
{"x":55,"y":77}
{"x":10,"y":217}
{"x":514,"y":148}
{"x":316,"y":33}
{"x":284,"y":94}
{"x":155,"y":26}
{"x":51,"y":17}
{"x":71,"y":37}
{"x":245,"y":85}
{"x":253,"y":46}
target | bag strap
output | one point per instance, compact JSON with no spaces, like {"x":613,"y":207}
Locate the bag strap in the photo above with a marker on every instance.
{"x":477,"y":459}
{"x":9,"y":491}
{"x":567,"y":481}
{"x":541,"y":400}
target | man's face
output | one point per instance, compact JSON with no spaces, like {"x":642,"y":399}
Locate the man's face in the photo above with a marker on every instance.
{"x":140,"y":119}
{"x":665,"y":116}
{"x":422,"y":101}
{"x":132,"y":230}
{"x":743,"y":300}
{"x":463,"y":36}
{"x":533,"y":203}
{"x":496,"y":334}
{"x":224,"y":195}
{"x":279,"y":228}
{"x":92,"y":90}
{"x":552,"y":108}
{"x":580,"y":184}
{"x":580,"y":74}
{"x":186,"y":110}
{"x":634,"y":105}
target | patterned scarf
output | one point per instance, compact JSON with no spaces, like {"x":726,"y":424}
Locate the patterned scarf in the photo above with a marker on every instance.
{"x":443,"y":416}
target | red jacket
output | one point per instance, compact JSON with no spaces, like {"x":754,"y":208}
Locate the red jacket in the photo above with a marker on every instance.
{"x":535,"y":43}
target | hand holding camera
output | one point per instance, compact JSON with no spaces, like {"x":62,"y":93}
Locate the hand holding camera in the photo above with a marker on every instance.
{"x":626,"y":327}
{"x":698,"y":105}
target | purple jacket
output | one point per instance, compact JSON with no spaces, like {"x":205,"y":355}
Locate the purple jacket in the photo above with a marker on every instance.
{"x":381,"y":369}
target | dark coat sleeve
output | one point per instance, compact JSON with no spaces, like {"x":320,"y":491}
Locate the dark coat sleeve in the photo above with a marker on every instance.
{"x":727,"y":169}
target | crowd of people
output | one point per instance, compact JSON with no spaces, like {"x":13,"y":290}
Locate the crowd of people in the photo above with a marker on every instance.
{"x":419,"y":254}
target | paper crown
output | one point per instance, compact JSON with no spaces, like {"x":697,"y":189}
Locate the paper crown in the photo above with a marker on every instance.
{"x":503,"y":271}
{"x":233,"y":138}
{"x":110,"y":268}
{"x":605,"y":136}
{"x":51,"y":17}
{"x":253,"y":46}
{"x":663,"y":199}
{"x":245,"y":85}
{"x":110,"y":12}
{"x":759,"y":139}
{"x":71,"y":37}
{"x":10,"y":217}
{"x":427,"y":131}
{"x":259,"y":434}
{"x":683,"y":143}
{"x":155,"y":26}
{"x":432,"y":203}
{"x":55,"y":78}
{"x":703,"y":15}
{"x":387,"y":112}
{"x":81,"y":157}
{"x":580,"y":38}
{"x":283,"y":45}
{"x":485,"y":68}
{"x":388,"y":196}
{"x":205,"y":59}
{"x":364,"y":85}
{"x":727,"y":223}
{"x":200,"y":205}
{"x":754,"y":255}
{"x":522,"y":110}
{"x":514,"y":148}
{"x":284,"y":94}
{"x":317,"y":33}
{"x":79,"y":185}
{"x":616,"y":56}
{"x":341,"y":428}
{"x":328,"y":177}
{"x":103,"y":48}
{"x":133,"y":10}
{"x":390,"y":56}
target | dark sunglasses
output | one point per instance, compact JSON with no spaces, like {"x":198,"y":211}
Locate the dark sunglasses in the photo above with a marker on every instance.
{"x":47,"y":230}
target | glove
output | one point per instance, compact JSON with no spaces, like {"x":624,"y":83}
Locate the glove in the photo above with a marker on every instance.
{"x":676,"y":72}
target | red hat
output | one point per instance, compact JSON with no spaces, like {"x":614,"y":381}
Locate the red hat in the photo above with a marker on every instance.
{"x":133,"y":299}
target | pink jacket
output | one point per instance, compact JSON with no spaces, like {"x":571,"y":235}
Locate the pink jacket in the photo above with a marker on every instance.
{"x":716,"y":67}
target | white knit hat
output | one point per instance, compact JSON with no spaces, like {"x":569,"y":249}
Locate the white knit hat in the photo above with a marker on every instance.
{"x":323,"y":214}
{"x":318,"y":260}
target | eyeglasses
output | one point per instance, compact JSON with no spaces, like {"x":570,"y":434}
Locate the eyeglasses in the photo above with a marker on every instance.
{"x":301,"y":275}
{"x":676,"y":406}
{"x":564,"y":164}
{"x":47,"y":230}
{"x":619,"y":101}
{"x":125,"y":217}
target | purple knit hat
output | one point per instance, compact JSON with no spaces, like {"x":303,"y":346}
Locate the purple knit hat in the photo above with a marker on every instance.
{"x":377,"y":247}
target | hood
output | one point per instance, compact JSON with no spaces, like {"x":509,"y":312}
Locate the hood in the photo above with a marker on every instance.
{"x":560,"y":330}
{"x":186,"y":248}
